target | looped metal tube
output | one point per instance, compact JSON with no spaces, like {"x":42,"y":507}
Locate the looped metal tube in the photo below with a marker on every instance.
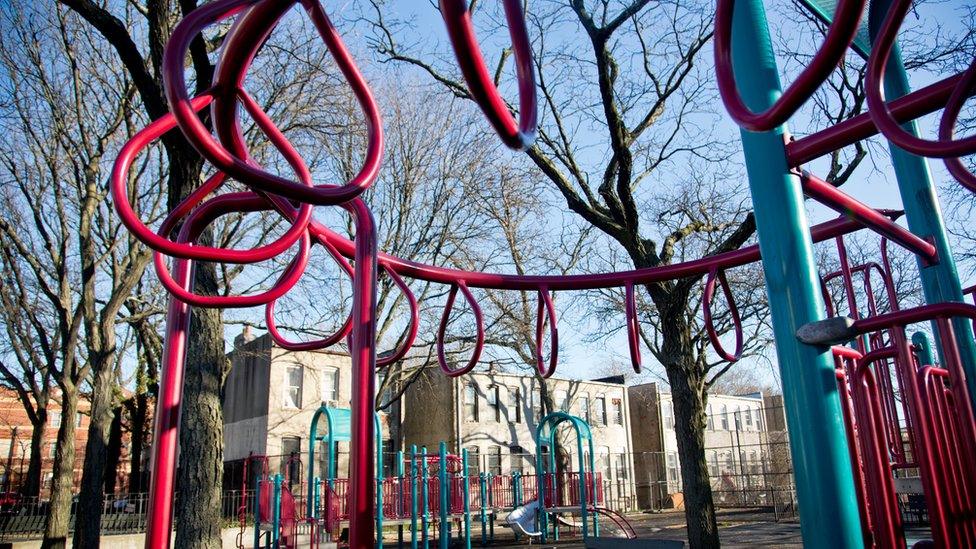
{"x":633,"y":326}
{"x":481,"y":85}
{"x":480,"y":328}
{"x":546,"y":310}
{"x":840,"y":34}
{"x":719,"y":276}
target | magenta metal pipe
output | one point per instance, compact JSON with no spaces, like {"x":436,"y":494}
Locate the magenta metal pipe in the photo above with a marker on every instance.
{"x":166,"y":437}
{"x":841,"y":202}
{"x":442,"y":275}
{"x":909,"y":107}
{"x":362,"y":350}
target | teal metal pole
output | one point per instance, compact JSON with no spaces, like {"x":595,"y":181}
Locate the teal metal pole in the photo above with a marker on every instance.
{"x":318,"y":496}
{"x":923,"y":348}
{"x":444,"y":538}
{"x":413,"y":496}
{"x":467,"y":500}
{"x":379,"y":488}
{"x":276,"y":513}
{"x":312,"y":439}
{"x":483,"y":492}
{"x":257,"y":513}
{"x":824,"y":480}
{"x":424,"y":498}
{"x":940,"y":281}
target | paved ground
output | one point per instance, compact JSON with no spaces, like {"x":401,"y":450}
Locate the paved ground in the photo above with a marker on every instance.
{"x":737,"y":528}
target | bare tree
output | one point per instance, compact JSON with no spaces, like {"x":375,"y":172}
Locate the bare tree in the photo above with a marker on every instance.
{"x":68,"y":110}
{"x":627,"y":108}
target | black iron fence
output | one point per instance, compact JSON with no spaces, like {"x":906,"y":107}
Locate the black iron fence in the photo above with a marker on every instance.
{"x":121,"y":514}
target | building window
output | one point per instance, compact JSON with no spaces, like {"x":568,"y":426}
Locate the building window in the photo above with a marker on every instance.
{"x":738,"y":418}
{"x":674,"y":475}
{"x":713,"y":467}
{"x":601,"y":410}
{"x":537,"y":404}
{"x":494,"y":406}
{"x":759,"y":419}
{"x":471,"y":402}
{"x":749,"y":418}
{"x":620,"y":465}
{"x":603,"y":459}
{"x":729,"y":462}
{"x":54,"y":419}
{"x":668,"y":414}
{"x":562,"y":401}
{"x":474,"y":461}
{"x":725,"y":417}
{"x":293,"y":386}
{"x":52,"y":449}
{"x":754,"y":464}
{"x":291,"y":446}
{"x":78,"y":419}
{"x":330,"y":384}
{"x":515,"y":403}
{"x":517,"y":457}
{"x":495,"y":460}
{"x":583,"y":405}
{"x":710,"y":419}
{"x":618,"y":412}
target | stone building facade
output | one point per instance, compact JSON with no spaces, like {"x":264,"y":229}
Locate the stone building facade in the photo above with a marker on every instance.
{"x":743,"y":439}
{"x":494,"y":416}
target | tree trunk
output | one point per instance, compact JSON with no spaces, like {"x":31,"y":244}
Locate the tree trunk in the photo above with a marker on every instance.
{"x":687,"y":391}
{"x":201,"y":430}
{"x":114,"y":455}
{"x":32,"y":486}
{"x":59,"y":512}
{"x":140,"y":417}
{"x":88,"y":524}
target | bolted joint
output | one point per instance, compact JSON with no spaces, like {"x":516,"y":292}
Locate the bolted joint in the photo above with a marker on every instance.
{"x":832,"y":331}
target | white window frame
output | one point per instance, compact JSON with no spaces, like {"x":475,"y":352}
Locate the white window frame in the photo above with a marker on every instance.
{"x":287,"y":387}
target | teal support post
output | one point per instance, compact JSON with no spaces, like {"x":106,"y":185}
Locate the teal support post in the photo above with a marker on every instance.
{"x":276,"y":513}
{"x":424,"y":497}
{"x":940,"y":282}
{"x":413,"y":496}
{"x":445,"y":536}
{"x":257,"y":513}
{"x":400,"y":501}
{"x":379,"y":490}
{"x":824,"y":479}
{"x":467,"y":500}
{"x":483,"y":492}
{"x":923,"y":348}
{"x":318,"y":498}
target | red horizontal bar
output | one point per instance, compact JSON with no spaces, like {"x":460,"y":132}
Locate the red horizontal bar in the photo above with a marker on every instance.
{"x":442,"y":275}
{"x":914,"y":105}
{"x":843,"y":203}
{"x":924,"y":313}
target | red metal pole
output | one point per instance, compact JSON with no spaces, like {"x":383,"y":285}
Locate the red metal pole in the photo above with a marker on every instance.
{"x":166,"y":439}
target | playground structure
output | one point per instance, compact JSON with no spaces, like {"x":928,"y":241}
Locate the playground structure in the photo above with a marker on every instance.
{"x":848,"y":432}
{"x":435,"y":503}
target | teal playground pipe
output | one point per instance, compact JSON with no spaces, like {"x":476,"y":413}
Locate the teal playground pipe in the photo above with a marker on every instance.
{"x":545,"y":438}
{"x":467,"y":500}
{"x":923,"y":348}
{"x":818,"y":444}
{"x":276,"y":513}
{"x":940,"y":281}
{"x":426,"y":516}
{"x":483,"y":492}
{"x":413,"y":496}
{"x":445,"y":536}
